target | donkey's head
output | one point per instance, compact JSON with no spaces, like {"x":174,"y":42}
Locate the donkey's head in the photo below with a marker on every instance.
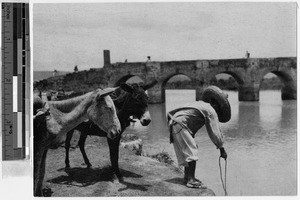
{"x":134,"y":101}
{"x":103,"y":112}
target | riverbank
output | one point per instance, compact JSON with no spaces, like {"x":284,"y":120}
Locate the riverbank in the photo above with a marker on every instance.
{"x":143,"y":176}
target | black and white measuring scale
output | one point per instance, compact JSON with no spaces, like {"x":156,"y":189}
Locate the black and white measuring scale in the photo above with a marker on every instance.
{"x":15,"y":80}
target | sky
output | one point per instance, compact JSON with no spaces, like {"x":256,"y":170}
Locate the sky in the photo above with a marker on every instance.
{"x":65,"y":35}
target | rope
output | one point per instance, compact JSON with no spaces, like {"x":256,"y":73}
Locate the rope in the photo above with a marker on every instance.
{"x":223,"y":184}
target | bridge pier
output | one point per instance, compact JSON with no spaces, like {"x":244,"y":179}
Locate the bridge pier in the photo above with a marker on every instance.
{"x":156,"y":94}
{"x":288,"y":92}
{"x":249,"y":93}
{"x":199,"y":92}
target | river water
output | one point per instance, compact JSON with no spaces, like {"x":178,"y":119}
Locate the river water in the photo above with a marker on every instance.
{"x":260,"y":140}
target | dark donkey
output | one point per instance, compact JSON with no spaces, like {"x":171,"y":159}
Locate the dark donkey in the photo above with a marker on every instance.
{"x":130,"y":101}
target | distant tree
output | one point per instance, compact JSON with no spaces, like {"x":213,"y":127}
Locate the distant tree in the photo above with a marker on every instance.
{"x":40,"y":85}
{"x":35,"y":84}
{"x":222,"y":82}
{"x":214,"y":81}
{"x":231,"y":79}
{"x":45,"y":83}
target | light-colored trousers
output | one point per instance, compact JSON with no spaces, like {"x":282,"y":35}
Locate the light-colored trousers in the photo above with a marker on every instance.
{"x":184,"y":144}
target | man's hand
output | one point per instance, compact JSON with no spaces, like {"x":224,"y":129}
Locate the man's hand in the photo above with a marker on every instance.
{"x":223,"y":153}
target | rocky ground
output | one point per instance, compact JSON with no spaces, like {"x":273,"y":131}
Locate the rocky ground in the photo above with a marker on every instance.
{"x":143,"y":176}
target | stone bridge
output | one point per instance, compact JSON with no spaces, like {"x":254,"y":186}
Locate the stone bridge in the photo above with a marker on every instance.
{"x":247,"y":72}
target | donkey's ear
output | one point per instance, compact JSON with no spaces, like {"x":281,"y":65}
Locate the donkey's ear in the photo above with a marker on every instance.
{"x":126,"y":87}
{"x":150,"y":85}
{"x":105,"y":92}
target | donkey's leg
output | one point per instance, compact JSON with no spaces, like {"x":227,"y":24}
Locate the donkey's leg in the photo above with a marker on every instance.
{"x":114,"y":156}
{"x":40,"y":152}
{"x":38,"y":156}
{"x":46,"y":189}
{"x":41,"y":175}
{"x":81,"y":143}
{"x":67,"y":147}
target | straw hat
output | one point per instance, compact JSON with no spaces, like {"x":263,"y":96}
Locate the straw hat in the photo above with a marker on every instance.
{"x":214,"y":93}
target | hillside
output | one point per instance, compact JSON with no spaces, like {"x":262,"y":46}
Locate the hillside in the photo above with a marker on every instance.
{"x":40,"y":75}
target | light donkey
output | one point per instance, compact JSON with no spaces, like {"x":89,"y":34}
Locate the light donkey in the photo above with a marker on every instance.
{"x":65,"y":115}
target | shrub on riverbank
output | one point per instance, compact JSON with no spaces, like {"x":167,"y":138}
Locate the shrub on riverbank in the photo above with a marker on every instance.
{"x":163,"y":157}
{"x":134,"y":143}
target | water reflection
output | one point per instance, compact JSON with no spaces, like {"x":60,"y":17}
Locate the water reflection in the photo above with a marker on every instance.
{"x":158,"y":126}
{"x":288,"y":114}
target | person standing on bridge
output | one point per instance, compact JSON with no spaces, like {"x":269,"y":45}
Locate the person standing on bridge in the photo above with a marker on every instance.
{"x":247,"y":54}
{"x":185,"y":121}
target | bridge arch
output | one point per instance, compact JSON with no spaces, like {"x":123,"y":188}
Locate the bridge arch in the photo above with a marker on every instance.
{"x":289,"y":87}
{"x":165,"y":81}
{"x":236,"y":77}
{"x":209,"y":77}
{"x":239,"y":80}
{"x":226,"y":81}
